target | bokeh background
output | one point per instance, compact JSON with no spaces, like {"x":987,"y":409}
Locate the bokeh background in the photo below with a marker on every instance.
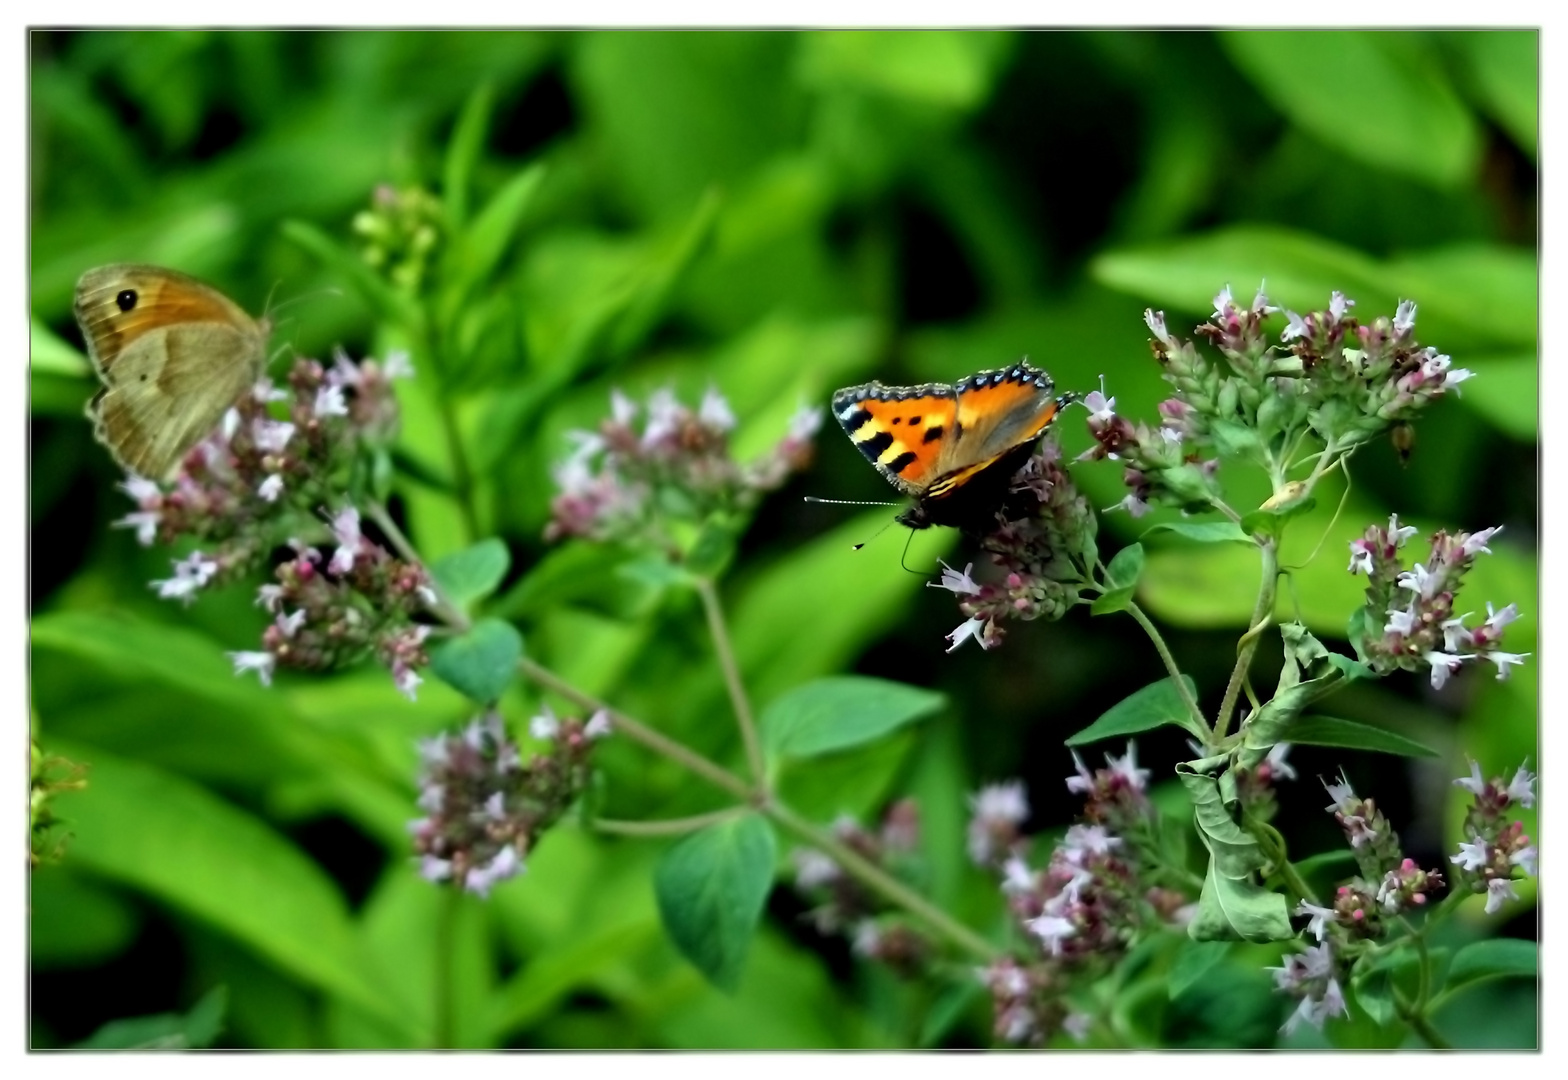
{"x":777,"y":214}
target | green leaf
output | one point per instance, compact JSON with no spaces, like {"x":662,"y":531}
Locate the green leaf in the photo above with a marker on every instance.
{"x":1506,"y":394}
{"x":841,"y":711}
{"x":473,"y":573}
{"x":713,"y":548}
{"x":1493,"y":959}
{"x":1232,"y":850}
{"x":1204,"y":532}
{"x":383,"y":301}
{"x":1504,"y":67}
{"x":1154,"y":706}
{"x":1113,"y":601}
{"x":462,"y":154}
{"x":178,"y":843}
{"x":494,"y":231}
{"x":1193,"y":962}
{"x":1374,"y":989}
{"x":711,"y":888}
{"x":1125,"y":567}
{"x":481,"y":662}
{"x":947,"y":1010}
{"x":1379,"y":101}
{"x":194,"y":1030}
{"x":1351,"y":735}
{"x":48,"y":352}
{"x":1232,"y":908}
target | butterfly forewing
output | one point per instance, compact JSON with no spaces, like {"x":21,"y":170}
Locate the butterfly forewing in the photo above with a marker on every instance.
{"x":901,"y":429}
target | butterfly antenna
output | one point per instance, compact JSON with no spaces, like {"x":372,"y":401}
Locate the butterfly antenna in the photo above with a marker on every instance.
{"x":848,"y":502}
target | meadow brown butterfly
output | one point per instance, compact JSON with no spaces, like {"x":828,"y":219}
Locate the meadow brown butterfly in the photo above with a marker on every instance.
{"x":173,"y":355}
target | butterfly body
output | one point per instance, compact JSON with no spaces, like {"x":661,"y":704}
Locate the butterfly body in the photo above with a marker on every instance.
{"x":954,"y":448}
{"x":173,"y":354}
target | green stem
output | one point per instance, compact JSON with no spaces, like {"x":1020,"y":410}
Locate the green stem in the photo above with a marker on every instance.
{"x":667,"y":826}
{"x":444,"y":609}
{"x":1273,"y":847}
{"x":1249,"y":642}
{"x":1170,"y":664}
{"x":876,"y":878}
{"x":639,"y":732}
{"x":1418,"y":1020}
{"x":738,"y":699}
{"x":443,"y":1035}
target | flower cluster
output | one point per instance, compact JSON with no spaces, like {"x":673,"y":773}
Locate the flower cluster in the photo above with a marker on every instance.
{"x":1082,"y":909}
{"x":844,"y":906}
{"x":1041,"y":546}
{"x":486,"y":806}
{"x":331,"y":612}
{"x":1329,"y":375}
{"x":620,"y":483}
{"x":1496,"y":846}
{"x":50,"y":775}
{"x":400,"y":233}
{"x":1313,"y":977}
{"x":1415,"y":608}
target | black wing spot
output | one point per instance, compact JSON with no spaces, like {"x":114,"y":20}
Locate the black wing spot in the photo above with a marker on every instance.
{"x":898,"y":420}
{"x":874,"y":446}
{"x":914,"y":421}
{"x":857,"y":419}
{"x":903,"y":461}
{"x":933,"y":433}
{"x":126,"y":299}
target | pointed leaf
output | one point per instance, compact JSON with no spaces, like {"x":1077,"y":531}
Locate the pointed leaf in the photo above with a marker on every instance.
{"x":711,"y":888}
{"x":1154,"y":706}
{"x":1493,"y":959}
{"x":841,"y":711}
{"x":482,"y":662}
{"x":1352,"y":735}
{"x":1204,"y":532}
{"x":1193,"y":962}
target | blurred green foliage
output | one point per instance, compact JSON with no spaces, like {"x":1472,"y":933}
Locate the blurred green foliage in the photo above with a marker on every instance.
{"x":776,"y":214}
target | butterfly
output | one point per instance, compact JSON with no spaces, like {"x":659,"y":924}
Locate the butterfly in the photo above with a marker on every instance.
{"x":953,"y":448}
{"x":173,"y":355}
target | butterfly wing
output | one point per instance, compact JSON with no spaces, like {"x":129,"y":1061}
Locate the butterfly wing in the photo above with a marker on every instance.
{"x":902,"y":430}
{"x":173,"y":355}
{"x":996,"y":412}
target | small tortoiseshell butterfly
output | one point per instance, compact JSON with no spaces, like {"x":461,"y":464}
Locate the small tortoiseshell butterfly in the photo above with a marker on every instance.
{"x":953,"y":448}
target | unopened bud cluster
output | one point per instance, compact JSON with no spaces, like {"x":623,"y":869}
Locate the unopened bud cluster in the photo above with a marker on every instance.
{"x":625,"y":484}
{"x":485,"y":806}
{"x":1408,"y":621}
{"x":1041,"y":545}
{"x":400,"y":234}
{"x":842,"y":905}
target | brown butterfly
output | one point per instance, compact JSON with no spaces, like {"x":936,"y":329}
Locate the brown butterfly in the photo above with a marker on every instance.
{"x":953,"y":447}
{"x":173,"y":354}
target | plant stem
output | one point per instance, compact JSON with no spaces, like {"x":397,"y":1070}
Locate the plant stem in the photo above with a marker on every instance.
{"x":639,"y":732}
{"x":447,"y":611}
{"x":868,"y":873}
{"x":1268,"y":839}
{"x":874,"y":876}
{"x":668,"y":826}
{"x":445,"y":938}
{"x":1170,"y":664}
{"x":1265,"y":606}
{"x":1418,"y":1020}
{"x":738,"y":700}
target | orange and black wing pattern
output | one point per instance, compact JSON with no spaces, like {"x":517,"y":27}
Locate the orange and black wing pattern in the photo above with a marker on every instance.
{"x":901,"y":429}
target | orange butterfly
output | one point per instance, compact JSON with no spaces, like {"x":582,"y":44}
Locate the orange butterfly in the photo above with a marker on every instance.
{"x":953,"y":448}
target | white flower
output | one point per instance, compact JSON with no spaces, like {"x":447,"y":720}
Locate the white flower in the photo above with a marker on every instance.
{"x":406,"y":679}
{"x":270,"y":488}
{"x":1132,"y":504}
{"x":1338,"y":304}
{"x":1084,"y":840}
{"x":262,"y":663}
{"x":1443,"y":665}
{"x":598,"y":725}
{"x":1522,"y":788}
{"x":329,"y":400}
{"x":289,"y":624}
{"x":1101,"y":408}
{"x":1260,"y":302}
{"x":1003,"y":803}
{"x":1276,"y":761}
{"x":1455,"y":376}
{"x":1420,"y":581}
{"x":664,"y":415}
{"x":1084,"y":781}
{"x":190,"y":574}
{"x":271,"y":436}
{"x":1361,"y":557}
{"x":481,"y":879}
{"x":1455,"y":636}
{"x":623,"y":410}
{"x":145,"y":522}
{"x":1053,"y":930}
{"x":1077,"y":1025}
{"x":1155,"y":320}
{"x":960,"y":584}
{"x":805,"y":423}
{"x":345,"y":527}
{"x":1321,"y":917}
{"x":139,"y":487}
{"x":970,"y":628}
{"x":1404,"y":316}
{"x":1477,"y":541}
{"x":544,"y":726}
{"x":813,"y":869}
{"x":1223,"y":302}
{"x":398,"y":366}
{"x":434,"y":869}
{"x":1497,"y":620}
{"x":1296,"y":329}
{"x":1473,"y":783}
{"x":1401,"y":622}
{"x":1524,"y":858}
{"x":1498,"y":890}
{"x":1017,"y":877}
{"x":1504,"y":660}
{"x":1344,"y":798}
{"x":1126,"y":767}
{"x":714,"y":412}
{"x":495,"y":806}
{"x":1472,"y":856}
{"x":1398,"y":534}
